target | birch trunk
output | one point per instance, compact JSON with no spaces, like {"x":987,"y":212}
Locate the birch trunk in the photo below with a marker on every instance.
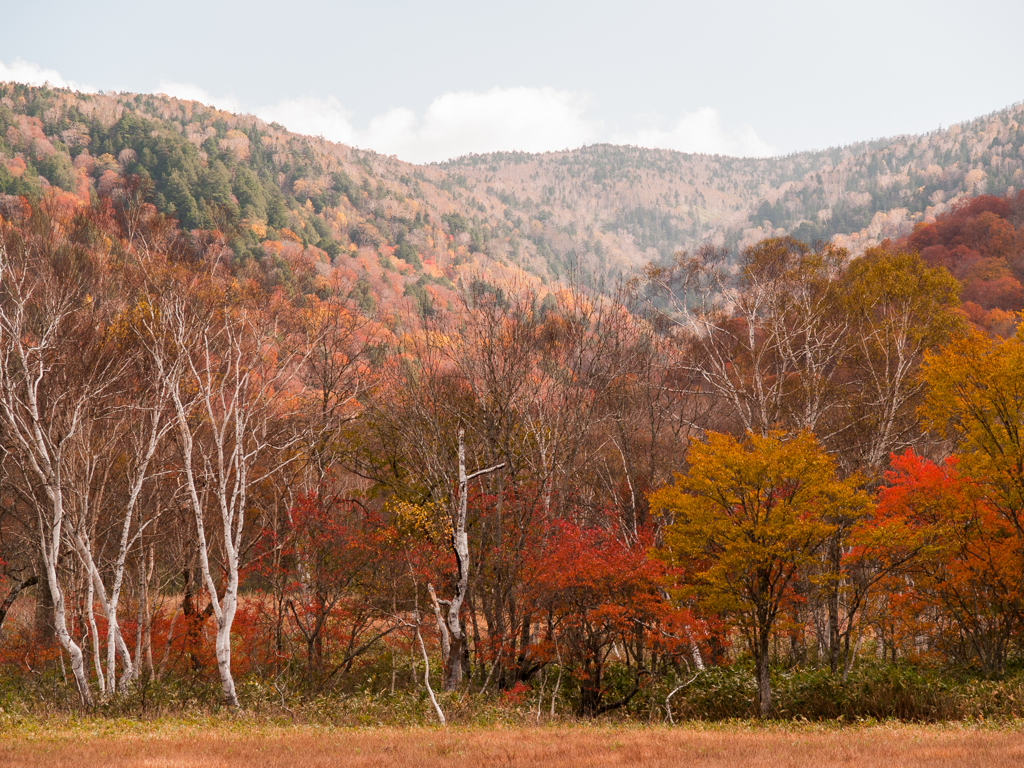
{"x":50,"y":546}
{"x":460,"y":546}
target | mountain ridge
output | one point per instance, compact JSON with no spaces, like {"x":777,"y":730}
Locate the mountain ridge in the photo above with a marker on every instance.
{"x":598,"y":212}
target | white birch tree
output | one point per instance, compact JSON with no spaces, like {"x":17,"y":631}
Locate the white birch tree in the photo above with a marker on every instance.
{"x":57,"y":373}
{"x":217,"y":357}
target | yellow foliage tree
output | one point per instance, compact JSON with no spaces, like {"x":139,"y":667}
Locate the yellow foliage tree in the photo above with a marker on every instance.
{"x":744,"y":522}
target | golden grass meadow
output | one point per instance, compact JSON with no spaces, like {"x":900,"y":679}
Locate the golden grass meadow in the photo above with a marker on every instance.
{"x":225,"y":744}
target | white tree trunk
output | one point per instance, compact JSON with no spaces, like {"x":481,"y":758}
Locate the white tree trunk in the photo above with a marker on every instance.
{"x":50,"y":545}
{"x":50,"y":386}
{"x":460,"y":546}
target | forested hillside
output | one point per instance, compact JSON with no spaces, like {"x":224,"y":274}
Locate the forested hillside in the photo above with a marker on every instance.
{"x":300,"y":207}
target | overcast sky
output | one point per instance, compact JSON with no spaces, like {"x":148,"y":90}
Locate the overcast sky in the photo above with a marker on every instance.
{"x":429,"y":81}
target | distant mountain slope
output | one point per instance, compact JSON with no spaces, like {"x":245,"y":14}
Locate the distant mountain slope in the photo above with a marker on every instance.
{"x":981,"y":242}
{"x":654,"y":201}
{"x":306,"y":210}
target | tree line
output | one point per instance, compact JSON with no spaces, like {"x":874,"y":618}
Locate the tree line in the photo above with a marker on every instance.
{"x":785,"y":453}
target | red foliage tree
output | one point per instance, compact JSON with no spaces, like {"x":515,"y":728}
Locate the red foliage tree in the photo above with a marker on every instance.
{"x":963,"y":589}
{"x":602,"y":596}
{"x":334,"y":562}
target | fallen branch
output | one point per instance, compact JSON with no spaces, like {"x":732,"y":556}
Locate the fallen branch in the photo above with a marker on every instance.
{"x":426,"y":678}
{"x":677,"y":689}
{"x":625,"y":699}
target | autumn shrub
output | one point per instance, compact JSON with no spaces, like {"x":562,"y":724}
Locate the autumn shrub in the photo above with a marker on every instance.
{"x":874,"y":690}
{"x":606,"y":601}
{"x":718,"y":693}
{"x":42,"y":691}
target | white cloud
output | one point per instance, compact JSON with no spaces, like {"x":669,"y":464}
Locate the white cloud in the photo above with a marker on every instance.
{"x":507,"y":119}
{"x":193,"y":92}
{"x":312,"y":116}
{"x":456,"y":123}
{"x":702,"y":132}
{"x":463,"y":122}
{"x":20,"y":71}
{"x":394,"y":132}
{"x":308,"y":115}
{"x":502,"y":119}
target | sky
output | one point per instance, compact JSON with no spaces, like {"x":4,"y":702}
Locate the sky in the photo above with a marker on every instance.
{"x":431,"y":81}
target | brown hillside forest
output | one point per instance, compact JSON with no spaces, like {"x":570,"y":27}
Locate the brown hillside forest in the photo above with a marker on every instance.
{"x":287,"y":424}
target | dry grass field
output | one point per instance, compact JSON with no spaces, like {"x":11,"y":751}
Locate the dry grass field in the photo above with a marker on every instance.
{"x":113,"y":745}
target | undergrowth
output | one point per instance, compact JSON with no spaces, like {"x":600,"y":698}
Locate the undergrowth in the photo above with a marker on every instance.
{"x":873,"y":692}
